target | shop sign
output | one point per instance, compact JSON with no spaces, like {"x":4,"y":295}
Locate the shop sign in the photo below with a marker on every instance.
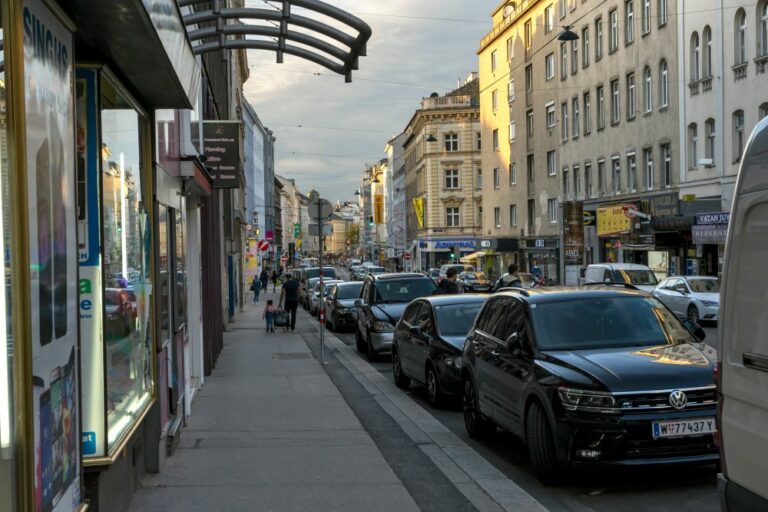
{"x":486,"y":244}
{"x":613,"y":220}
{"x":710,"y":219}
{"x":664,"y":205}
{"x":418,"y":206}
{"x":541,"y":243}
{"x":378,"y":209}
{"x":709,"y":234}
{"x":221,"y":144}
{"x":590,"y":219}
{"x":53,"y":256}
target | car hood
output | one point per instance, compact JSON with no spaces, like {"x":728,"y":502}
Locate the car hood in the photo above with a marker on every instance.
{"x":712,"y":297}
{"x":389,"y":312}
{"x":346,"y":303}
{"x":455,"y":341}
{"x":686,"y":365}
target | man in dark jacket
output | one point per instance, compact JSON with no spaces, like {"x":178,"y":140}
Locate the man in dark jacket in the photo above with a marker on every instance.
{"x":290,"y":297}
{"x":264,"y":278}
{"x":448,"y":286}
{"x":511,"y":279}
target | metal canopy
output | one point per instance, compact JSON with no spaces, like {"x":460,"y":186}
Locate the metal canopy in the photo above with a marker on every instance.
{"x":341,"y":59}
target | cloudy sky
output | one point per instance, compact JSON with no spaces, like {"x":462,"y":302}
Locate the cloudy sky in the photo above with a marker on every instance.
{"x":424,"y":46}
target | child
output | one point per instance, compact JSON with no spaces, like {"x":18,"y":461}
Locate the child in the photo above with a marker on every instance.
{"x":269,"y":314}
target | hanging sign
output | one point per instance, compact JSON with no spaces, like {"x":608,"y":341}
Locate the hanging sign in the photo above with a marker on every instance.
{"x":418,"y":205}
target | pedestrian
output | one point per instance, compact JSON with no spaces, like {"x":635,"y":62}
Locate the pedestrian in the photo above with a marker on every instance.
{"x":290,"y":297}
{"x":511,"y":279}
{"x":256,"y":289}
{"x":448,"y":285}
{"x":275,"y":275}
{"x":264,"y":278}
{"x":269,"y":315}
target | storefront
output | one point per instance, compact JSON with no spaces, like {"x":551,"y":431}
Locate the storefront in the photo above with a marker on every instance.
{"x":434,"y":252}
{"x":496,"y":256}
{"x":708,"y":236}
{"x":541,"y":257}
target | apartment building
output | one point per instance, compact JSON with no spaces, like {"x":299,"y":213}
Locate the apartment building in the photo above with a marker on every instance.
{"x":582,"y":134}
{"x":443,"y":177}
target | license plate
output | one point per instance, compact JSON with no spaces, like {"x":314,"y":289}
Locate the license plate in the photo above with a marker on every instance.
{"x":692,"y":427}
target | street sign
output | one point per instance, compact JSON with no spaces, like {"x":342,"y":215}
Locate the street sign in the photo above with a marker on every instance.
{"x":263,"y":245}
{"x":296,"y":230}
{"x":321,"y":208}
{"x":314,"y":230}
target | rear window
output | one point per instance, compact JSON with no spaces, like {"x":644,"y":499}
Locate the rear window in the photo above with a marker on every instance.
{"x":315,"y":272}
{"x":403,"y":290}
{"x":641,"y":277}
{"x":457,"y":319}
{"x":351,"y":291}
{"x":704,"y":285}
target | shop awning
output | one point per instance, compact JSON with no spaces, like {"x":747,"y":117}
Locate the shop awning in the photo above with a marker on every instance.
{"x":672,"y":223}
{"x":472,"y":257}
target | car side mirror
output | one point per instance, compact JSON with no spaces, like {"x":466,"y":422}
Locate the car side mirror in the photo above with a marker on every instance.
{"x":514,"y":343}
{"x":358,"y":303}
{"x":695,"y":329}
{"x":415,"y":330}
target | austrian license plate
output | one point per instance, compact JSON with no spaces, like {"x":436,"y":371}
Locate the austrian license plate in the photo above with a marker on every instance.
{"x":682,"y":428}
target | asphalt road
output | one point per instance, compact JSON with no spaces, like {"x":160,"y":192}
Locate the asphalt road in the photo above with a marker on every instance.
{"x":678,"y":489}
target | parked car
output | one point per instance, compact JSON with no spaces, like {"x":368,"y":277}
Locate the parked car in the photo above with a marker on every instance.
{"x":434,"y":273}
{"x":353,"y":263}
{"x":428,"y":343}
{"x":638,"y":275}
{"x":380,"y":306}
{"x":604,"y":375}
{"x":743,"y":363}
{"x":376,"y":270}
{"x":340,"y":305}
{"x":474,"y":282}
{"x":358,"y":273}
{"x":307,"y":283}
{"x":315,"y":300}
{"x":692,"y":297}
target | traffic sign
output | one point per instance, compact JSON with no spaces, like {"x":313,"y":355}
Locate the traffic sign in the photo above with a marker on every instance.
{"x":407,"y":256}
{"x":296,"y":230}
{"x":263,"y":245}
{"x":314,"y":230}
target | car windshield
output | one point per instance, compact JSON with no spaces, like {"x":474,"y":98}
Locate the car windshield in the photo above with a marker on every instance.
{"x":641,"y":277}
{"x":315,"y":272}
{"x":403,"y":290}
{"x":351,"y":291}
{"x":435,"y":272}
{"x":456,"y":319}
{"x":704,"y":285}
{"x":605,"y":322}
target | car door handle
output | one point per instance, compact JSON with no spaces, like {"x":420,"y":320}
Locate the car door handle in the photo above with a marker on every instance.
{"x":495,"y":353}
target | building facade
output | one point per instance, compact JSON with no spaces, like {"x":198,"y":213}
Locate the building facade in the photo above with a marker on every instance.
{"x":395,"y":201}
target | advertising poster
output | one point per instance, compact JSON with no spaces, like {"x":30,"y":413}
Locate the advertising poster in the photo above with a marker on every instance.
{"x":50,"y":138}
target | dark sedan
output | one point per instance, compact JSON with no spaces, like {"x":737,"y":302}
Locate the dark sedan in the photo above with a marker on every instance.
{"x":340,"y":305}
{"x":428,"y":343}
{"x":474,"y":282}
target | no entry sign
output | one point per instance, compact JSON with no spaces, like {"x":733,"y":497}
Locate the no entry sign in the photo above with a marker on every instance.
{"x":263,"y":245}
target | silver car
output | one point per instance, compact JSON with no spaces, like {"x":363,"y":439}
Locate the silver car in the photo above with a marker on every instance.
{"x":693,"y":297}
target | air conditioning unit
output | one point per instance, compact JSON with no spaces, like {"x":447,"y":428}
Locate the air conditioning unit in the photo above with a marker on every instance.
{"x":706,"y":162}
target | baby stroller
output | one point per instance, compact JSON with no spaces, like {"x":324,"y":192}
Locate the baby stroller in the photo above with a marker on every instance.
{"x":282,"y":319}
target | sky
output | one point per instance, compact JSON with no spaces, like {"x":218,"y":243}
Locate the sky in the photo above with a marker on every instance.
{"x":424,"y":45}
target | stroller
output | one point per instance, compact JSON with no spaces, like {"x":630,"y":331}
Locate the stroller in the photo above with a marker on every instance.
{"x":282,"y":319}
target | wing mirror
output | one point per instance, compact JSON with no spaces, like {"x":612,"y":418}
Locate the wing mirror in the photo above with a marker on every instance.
{"x":358,"y":303}
{"x":415,"y":330}
{"x":695,"y":329}
{"x":514,"y":343}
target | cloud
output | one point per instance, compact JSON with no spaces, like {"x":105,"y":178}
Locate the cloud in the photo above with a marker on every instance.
{"x":431,"y":54}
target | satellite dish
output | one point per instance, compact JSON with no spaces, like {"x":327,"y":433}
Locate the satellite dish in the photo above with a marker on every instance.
{"x":509,"y":9}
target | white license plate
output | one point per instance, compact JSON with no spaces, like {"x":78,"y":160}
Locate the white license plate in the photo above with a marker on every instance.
{"x":692,"y":427}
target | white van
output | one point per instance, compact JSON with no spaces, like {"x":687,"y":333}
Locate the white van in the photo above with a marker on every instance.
{"x":630,"y":273}
{"x":743,"y":334}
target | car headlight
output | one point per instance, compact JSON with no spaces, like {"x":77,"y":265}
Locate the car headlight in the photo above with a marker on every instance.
{"x":383,"y":326}
{"x":587,"y":401}
{"x":343,"y":311}
{"x":710,"y":303}
{"x":453,"y":362}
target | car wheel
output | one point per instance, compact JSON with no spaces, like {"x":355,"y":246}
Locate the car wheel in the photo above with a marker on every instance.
{"x":370,"y":351}
{"x":401,"y":380}
{"x":434,"y":394}
{"x":541,"y":445}
{"x":477,"y":425}
{"x":693,"y":313}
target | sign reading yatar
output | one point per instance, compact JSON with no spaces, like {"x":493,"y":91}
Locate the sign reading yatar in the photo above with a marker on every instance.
{"x":712,"y":219}
{"x":221,"y":146}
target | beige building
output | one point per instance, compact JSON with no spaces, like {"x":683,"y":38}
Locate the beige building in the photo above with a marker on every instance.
{"x":442,"y":177}
{"x":584,"y":125}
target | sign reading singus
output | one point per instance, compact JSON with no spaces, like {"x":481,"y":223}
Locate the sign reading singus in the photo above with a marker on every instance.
{"x":221,"y":144}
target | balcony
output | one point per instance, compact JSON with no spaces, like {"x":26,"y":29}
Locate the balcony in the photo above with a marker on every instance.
{"x":760,"y":64}
{"x":446,"y":102}
{"x":693,"y":88}
{"x":706,"y":84}
{"x":739,"y":72}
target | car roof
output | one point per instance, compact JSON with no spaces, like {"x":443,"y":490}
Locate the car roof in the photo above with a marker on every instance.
{"x":344,"y":284}
{"x":693,"y":277}
{"x":400,"y":275}
{"x":557,"y":293}
{"x":445,"y":300}
{"x":620,"y":266}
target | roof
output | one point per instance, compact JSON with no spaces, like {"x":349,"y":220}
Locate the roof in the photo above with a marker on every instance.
{"x":471,"y":88}
{"x":446,"y":300}
{"x":400,"y":275}
{"x":557,"y":293}
{"x":620,"y":266}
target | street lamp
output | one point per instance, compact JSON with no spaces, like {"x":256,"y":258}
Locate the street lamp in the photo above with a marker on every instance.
{"x":431,"y":138}
{"x":567,"y":34}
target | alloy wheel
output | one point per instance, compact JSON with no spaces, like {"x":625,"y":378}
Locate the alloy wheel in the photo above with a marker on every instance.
{"x":693,"y":313}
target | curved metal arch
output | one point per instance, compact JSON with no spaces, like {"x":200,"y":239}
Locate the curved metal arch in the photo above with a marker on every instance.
{"x":349,"y":60}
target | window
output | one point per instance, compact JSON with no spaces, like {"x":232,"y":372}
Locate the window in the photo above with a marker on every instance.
{"x":662,"y":12}
{"x":588,"y":180}
{"x":497,"y":217}
{"x":616,"y":176}
{"x":552,"y":162}
{"x":763,"y":110}
{"x":528,"y":79}
{"x":563,"y":8}
{"x":494,"y":100}
{"x":529,"y":162}
{"x":706,"y":71}
{"x":452,"y":178}
{"x":510,"y":48}
{"x":709,"y":142}
{"x":531,"y":216}
{"x":598,"y":39}
{"x":576,"y":119}
{"x":762,"y":32}
{"x":512,"y":174}
{"x":601,"y":177}
{"x":564,"y":121}
{"x":648,"y":164}
{"x":552,"y":210}
{"x":452,"y":217}
{"x":663,"y":84}
{"x":549,"y":19}
{"x":666,"y":157}
{"x":587,"y":113}
{"x":566,"y":184}
{"x":738,"y":135}
{"x":629,"y":21}
{"x":479,"y":178}
{"x":496,"y":178}
{"x":613,"y":41}
{"x":631,"y":97}
{"x":600,"y":107}
{"x":740,"y":38}
{"x":512,"y":131}
{"x":180,"y":271}
{"x":496,"y":139}
{"x":615,"y":98}
{"x":549,"y":66}
{"x":585,"y":46}
{"x":647,"y":90}
{"x":451,"y":141}
{"x":563,"y":61}
{"x":550,"y":115}
{"x":494,"y":60}
{"x":646,"y":16}
{"x":511,"y":91}
{"x":574,"y":57}
{"x":693,"y":140}
{"x":479,"y":140}
{"x":513,"y":215}
{"x":695,"y":57}
{"x":632,"y":171}
{"x":529,"y":123}
{"x":576,"y":182}
{"x":528,"y":38}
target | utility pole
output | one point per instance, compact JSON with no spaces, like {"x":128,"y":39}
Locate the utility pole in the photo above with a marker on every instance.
{"x":320,"y":209}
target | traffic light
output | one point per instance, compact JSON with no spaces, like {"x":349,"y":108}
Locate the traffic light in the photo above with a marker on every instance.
{"x":453,"y":254}
{"x":370,"y":221}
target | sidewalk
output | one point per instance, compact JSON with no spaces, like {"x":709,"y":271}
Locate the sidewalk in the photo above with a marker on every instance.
{"x":270,"y":432}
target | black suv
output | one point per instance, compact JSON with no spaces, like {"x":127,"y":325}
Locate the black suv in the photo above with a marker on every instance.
{"x":380,"y":306}
{"x":598,"y":375}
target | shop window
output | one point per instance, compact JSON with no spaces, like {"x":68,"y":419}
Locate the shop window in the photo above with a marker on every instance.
{"x":125,"y":264}
{"x":164,"y":261}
